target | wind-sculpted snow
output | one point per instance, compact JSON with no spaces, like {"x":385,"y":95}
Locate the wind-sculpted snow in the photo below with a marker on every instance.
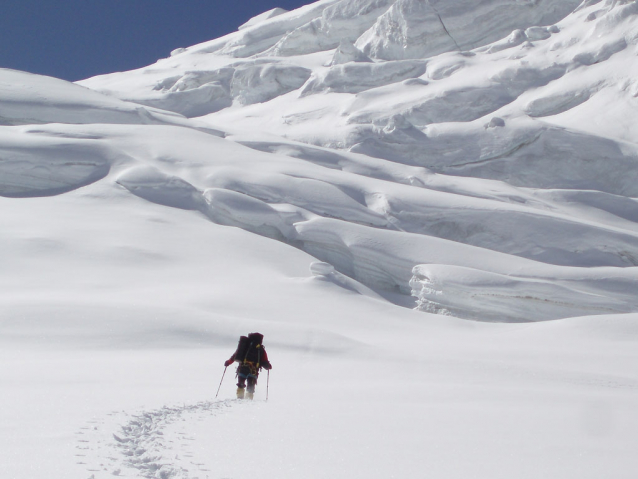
{"x":198,"y":93}
{"x":475,"y":294}
{"x":422,"y":28}
{"x":34,"y":165}
{"x":316,"y":196}
{"x":344,"y":20}
{"x":30,"y":99}
{"x":228,"y":207}
{"x":376,"y":230}
{"x":378,"y":135}
{"x":154,"y":185}
{"x":263,"y":35}
{"x":556,"y":104}
{"x":467,"y":101}
{"x":262,"y":82}
{"x":195,"y":93}
{"x":525,"y":154}
{"x":287,"y":206}
{"x":357,"y":77}
{"x":462,"y":105}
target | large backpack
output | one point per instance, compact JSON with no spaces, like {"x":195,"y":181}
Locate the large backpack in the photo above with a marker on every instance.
{"x":249,"y":348}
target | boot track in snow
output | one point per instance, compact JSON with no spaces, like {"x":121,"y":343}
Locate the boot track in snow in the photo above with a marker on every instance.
{"x":151,"y":444}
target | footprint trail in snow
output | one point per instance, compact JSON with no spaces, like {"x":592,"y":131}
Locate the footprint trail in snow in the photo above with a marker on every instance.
{"x":151,"y":444}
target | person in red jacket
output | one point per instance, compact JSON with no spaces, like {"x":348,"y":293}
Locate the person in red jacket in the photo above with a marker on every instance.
{"x":251,"y":356}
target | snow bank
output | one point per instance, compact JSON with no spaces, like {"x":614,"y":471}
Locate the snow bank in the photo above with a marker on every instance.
{"x":158,"y":187}
{"x":26,"y":98}
{"x":258,"y":83}
{"x":525,"y":154}
{"x":235,"y":209}
{"x":357,"y":77}
{"x":307,"y":194}
{"x":32,"y":164}
{"x":475,"y":294}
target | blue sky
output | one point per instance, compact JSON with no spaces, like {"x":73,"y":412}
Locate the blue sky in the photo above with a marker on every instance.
{"x":76,"y":39}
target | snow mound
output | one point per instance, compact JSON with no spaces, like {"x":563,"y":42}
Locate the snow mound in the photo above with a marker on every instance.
{"x":321,"y":269}
{"x":158,"y":187}
{"x":26,"y":98}
{"x":475,"y":294}
{"x":231,"y":208}
{"x":33,"y":165}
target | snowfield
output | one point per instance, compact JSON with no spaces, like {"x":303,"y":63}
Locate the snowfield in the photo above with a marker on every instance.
{"x":429,"y":209}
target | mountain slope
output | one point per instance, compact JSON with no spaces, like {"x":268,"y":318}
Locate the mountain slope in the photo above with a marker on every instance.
{"x":315,"y":176}
{"x":501,"y":117}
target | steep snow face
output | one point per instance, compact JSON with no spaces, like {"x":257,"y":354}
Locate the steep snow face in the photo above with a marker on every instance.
{"x":420,"y":28}
{"x":345,"y":20}
{"x":382,"y":29}
{"x":381,"y":135}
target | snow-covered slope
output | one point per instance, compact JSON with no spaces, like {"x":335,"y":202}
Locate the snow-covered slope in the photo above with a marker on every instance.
{"x":316,"y":176}
{"x":483,"y":142}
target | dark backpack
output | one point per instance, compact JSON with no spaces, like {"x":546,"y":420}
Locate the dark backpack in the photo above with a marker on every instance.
{"x":249,"y":348}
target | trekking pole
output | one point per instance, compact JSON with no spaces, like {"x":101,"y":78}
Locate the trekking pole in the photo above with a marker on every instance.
{"x":267,"y":384}
{"x":220,"y":382}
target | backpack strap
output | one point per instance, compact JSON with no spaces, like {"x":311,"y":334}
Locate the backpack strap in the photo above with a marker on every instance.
{"x":247,"y":351}
{"x":258,"y":348}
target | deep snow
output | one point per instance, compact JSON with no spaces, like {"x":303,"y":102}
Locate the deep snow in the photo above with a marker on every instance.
{"x":315,"y":176}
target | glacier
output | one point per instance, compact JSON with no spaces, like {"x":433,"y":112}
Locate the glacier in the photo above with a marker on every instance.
{"x":489,"y":106}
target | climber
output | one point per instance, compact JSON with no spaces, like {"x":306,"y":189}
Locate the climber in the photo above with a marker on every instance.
{"x":251,"y":356}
